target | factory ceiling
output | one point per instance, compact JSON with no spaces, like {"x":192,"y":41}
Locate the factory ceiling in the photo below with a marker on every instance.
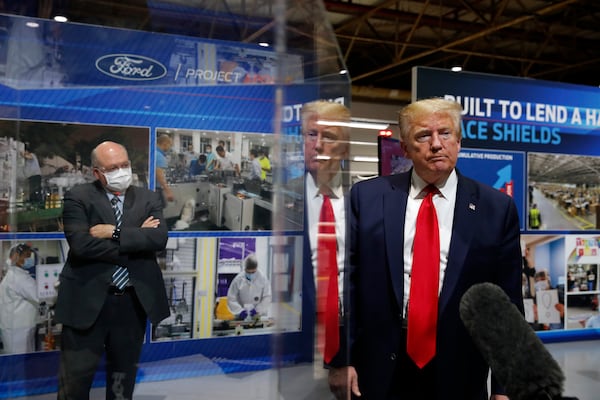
{"x":378,"y":41}
{"x":564,"y":169}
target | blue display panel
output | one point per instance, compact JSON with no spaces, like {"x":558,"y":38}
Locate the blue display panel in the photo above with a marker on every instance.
{"x":518,"y":134}
{"x":98,"y":83}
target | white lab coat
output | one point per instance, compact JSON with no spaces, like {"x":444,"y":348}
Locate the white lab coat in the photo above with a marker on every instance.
{"x":243,"y":291}
{"x":19,"y":305}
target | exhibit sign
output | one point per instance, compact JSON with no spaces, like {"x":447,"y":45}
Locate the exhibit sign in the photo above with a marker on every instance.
{"x":539,"y":142}
{"x":65,"y":88}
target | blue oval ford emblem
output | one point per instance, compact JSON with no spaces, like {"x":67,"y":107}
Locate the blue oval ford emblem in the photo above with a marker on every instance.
{"x":130,"y":67}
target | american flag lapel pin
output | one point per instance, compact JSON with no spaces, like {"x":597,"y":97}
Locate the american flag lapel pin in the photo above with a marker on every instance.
{"x":472,"y":206}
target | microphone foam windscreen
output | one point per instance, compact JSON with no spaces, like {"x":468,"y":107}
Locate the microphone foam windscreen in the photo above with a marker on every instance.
{"x":517,"y":357}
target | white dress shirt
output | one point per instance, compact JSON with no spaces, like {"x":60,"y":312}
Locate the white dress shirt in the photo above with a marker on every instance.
{"x":444,"y":202}
{"x":314,"y":201}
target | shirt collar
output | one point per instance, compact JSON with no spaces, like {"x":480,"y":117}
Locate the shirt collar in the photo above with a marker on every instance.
{"x":335,"y":185}
{"x":110,"y":195}
{"x":446,"y":188}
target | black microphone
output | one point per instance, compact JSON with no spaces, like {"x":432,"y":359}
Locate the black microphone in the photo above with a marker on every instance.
{"x":517,"y":357}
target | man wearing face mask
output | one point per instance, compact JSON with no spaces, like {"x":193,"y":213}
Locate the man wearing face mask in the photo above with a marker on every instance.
{"x":249,"y":294}
{"x":19,"y":303}
{"x":111,"y":282}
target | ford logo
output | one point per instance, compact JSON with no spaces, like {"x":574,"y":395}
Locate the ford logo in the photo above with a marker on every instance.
{"x":130,"y":67}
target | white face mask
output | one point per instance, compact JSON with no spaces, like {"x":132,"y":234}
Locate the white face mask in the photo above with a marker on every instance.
{"x":119,"y":180}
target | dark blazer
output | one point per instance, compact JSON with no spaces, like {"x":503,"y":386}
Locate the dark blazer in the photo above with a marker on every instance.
{"x":484,"y":247}
{"x":86,"y":276}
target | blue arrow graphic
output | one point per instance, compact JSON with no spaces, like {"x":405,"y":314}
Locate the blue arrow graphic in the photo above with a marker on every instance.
{"x":504,"y":176}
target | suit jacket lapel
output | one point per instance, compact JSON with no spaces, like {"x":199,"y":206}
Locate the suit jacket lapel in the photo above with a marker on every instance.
{"x":129,"y":202}
{"x":465,"y":213}
{"x":102,"y":204}
{"x":394,"y":210}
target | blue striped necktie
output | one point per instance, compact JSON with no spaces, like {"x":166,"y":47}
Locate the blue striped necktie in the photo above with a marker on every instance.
{"x":120,"y":277}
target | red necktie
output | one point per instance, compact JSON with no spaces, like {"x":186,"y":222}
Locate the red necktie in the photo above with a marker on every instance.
{"x":424,"y":284}
{"x":327,"y":282}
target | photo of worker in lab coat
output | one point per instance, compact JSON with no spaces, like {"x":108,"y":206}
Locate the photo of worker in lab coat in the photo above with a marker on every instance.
{"x":249,"y":294}
{"x":19,"y":303}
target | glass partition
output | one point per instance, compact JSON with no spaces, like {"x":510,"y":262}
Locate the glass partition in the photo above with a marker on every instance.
{"x":225,"y":76}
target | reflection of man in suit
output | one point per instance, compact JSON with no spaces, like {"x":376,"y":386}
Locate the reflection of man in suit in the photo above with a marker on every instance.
{"x":479,"y":242}
{"x":99,"y":317}
{"x":325,"y":147}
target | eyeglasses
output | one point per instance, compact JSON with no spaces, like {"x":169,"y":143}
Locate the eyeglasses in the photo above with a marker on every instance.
{"x":113,"y":168}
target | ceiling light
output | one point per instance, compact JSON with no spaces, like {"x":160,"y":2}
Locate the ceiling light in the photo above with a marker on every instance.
{"x":263,"y":44}
{"x":456,"y":68}
{"x":354,"y":124}
{"x":359,"y":143}
{"x":365,"y":159}
{"x":343,"y":72}
{"x":60,"y":18}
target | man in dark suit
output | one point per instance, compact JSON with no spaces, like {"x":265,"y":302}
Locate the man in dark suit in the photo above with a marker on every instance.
{"x":326,"y":146}
{"x":102,"y":313}
{"x":478,"y":242}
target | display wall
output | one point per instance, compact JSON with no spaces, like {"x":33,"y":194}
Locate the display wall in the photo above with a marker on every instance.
{"x":519,"y":136}
{"x":67,"y":87}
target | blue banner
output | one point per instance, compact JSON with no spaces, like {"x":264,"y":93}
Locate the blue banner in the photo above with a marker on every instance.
{"x":539,"y":142}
